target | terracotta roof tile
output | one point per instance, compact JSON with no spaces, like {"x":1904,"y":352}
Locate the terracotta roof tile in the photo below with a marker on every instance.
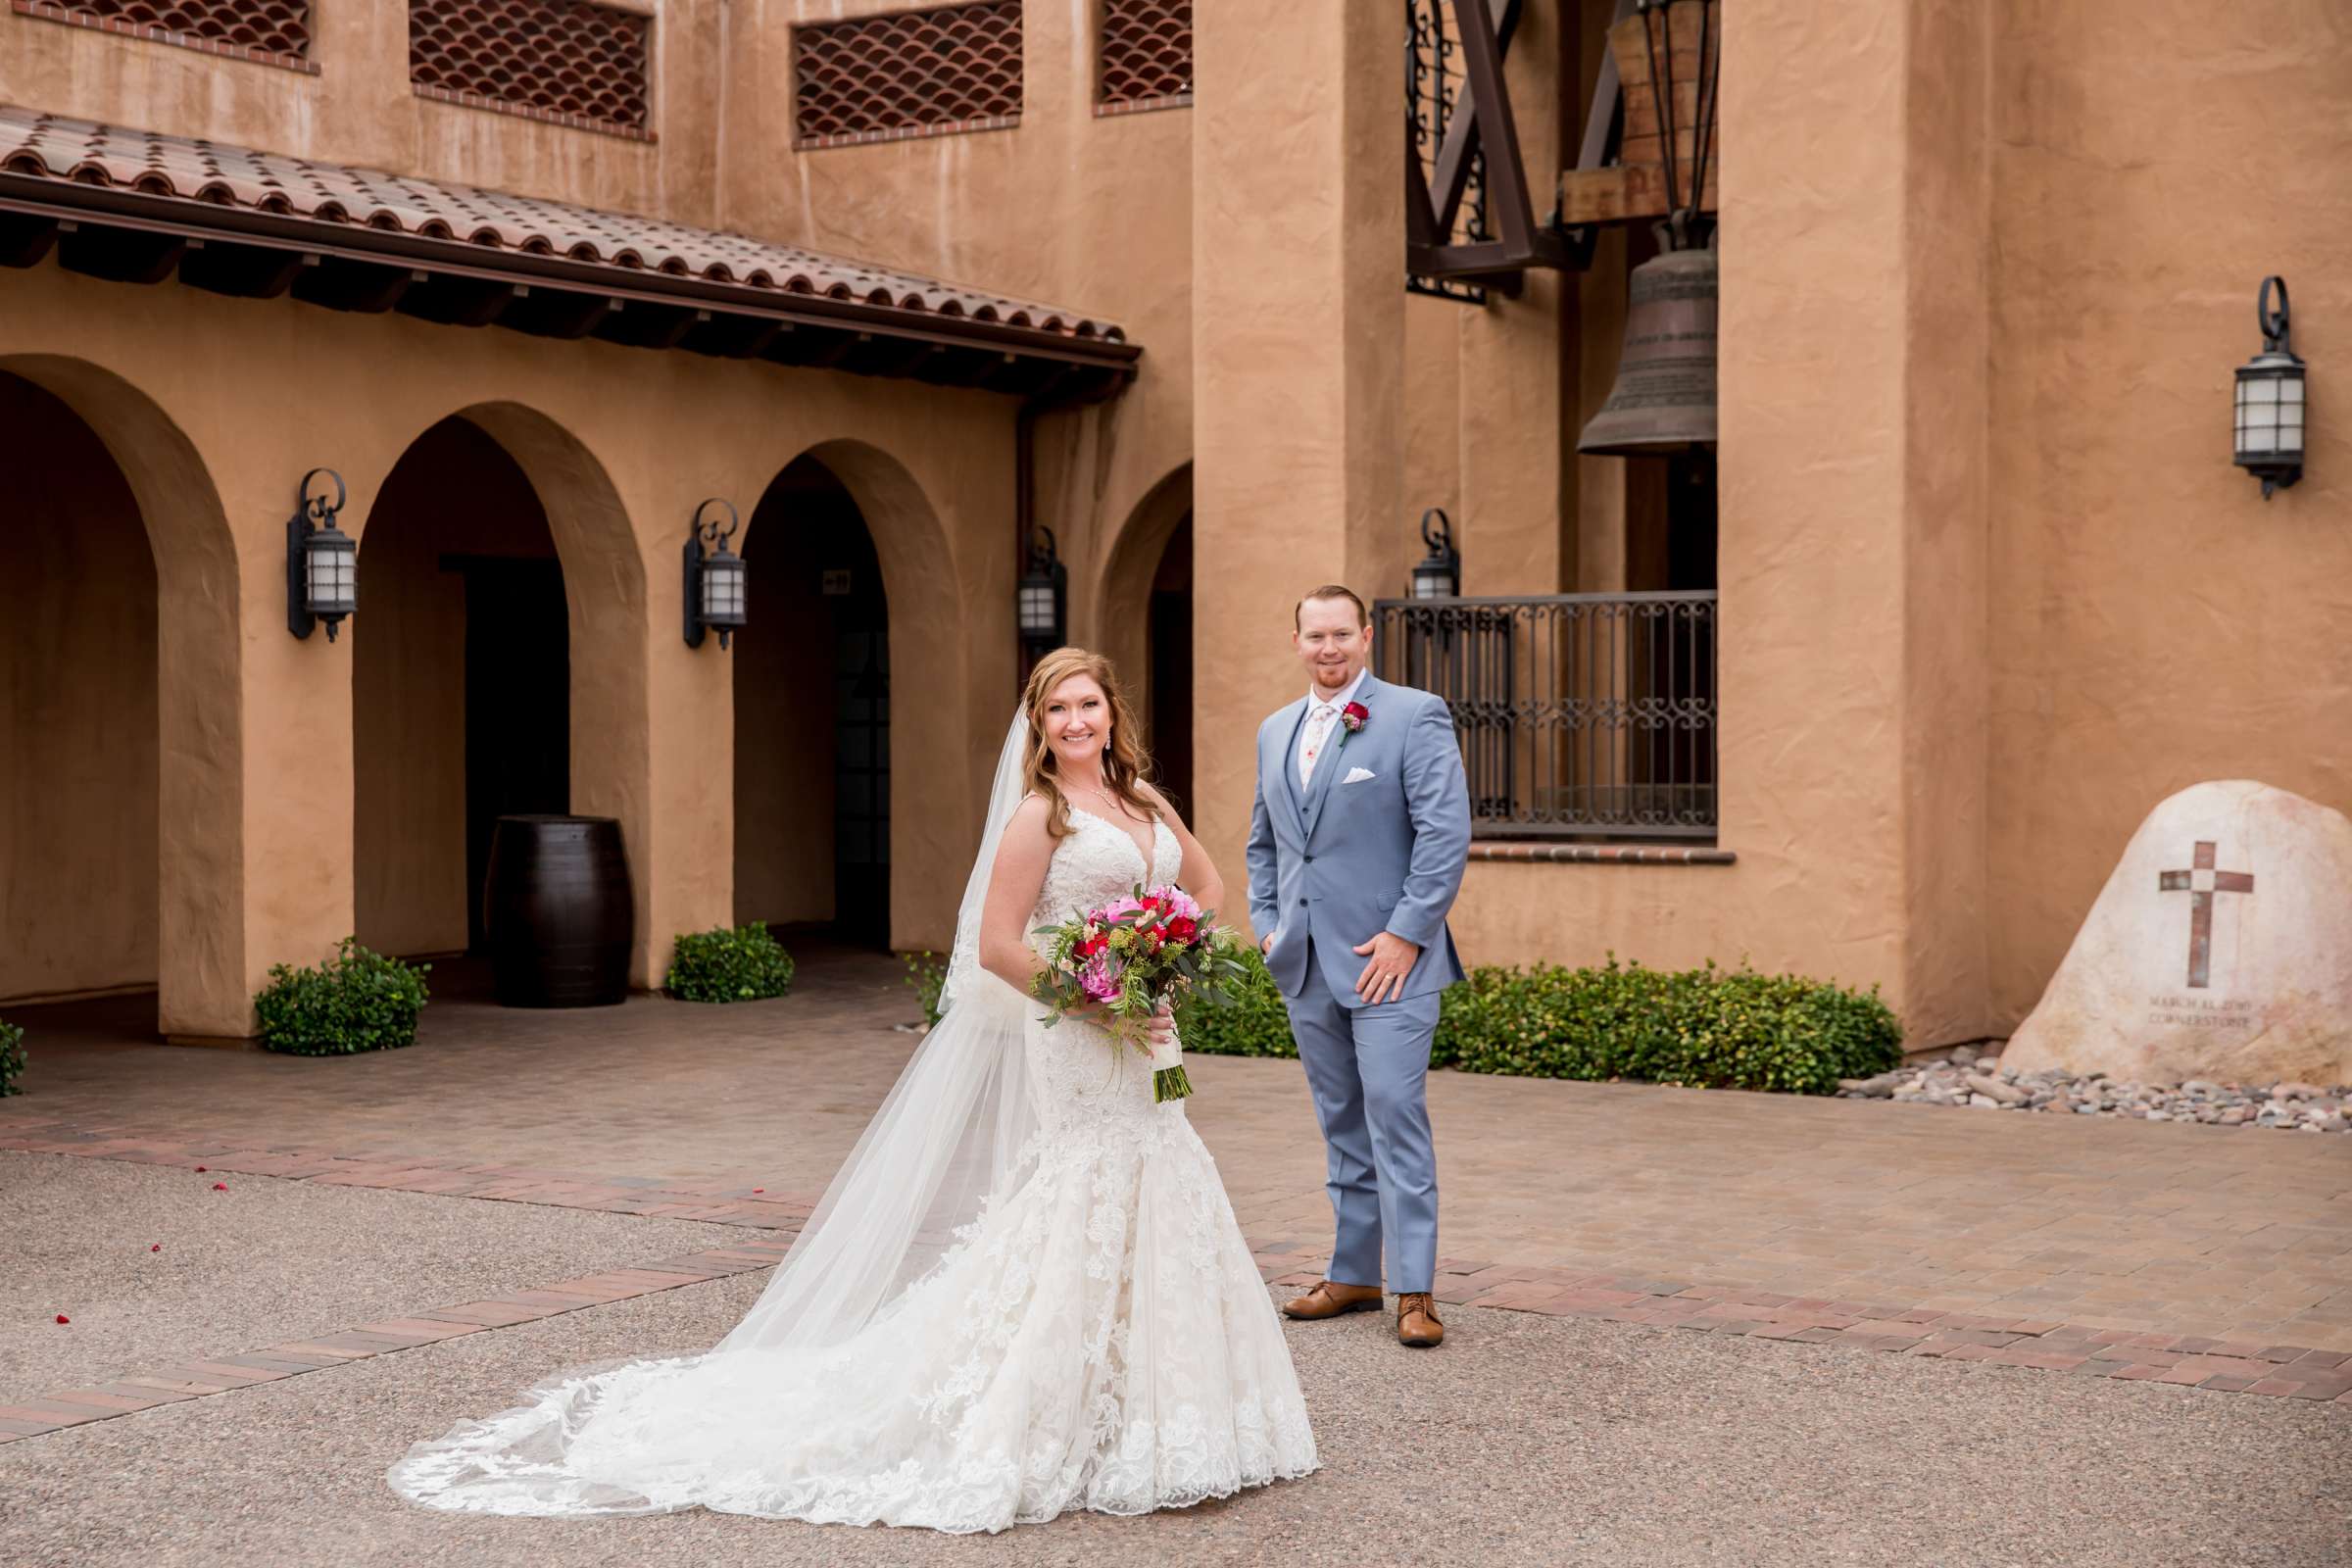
{"x":55,"y":147}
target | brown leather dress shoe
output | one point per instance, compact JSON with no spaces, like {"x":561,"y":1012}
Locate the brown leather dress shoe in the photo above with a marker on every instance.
{"x":1418,"y":1321}
{"x":1331,"y":1299}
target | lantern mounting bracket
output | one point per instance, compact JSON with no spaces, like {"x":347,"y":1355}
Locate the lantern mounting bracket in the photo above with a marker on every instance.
{"x":2276,"y":327}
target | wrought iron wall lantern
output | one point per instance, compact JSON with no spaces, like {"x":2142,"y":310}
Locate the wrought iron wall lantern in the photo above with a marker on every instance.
{"x":2269,"y":399}
{"x":322,"y":560}
{"x":1043,"y":603}
{"x":1439,"y":573}
{"x":715,"y":583}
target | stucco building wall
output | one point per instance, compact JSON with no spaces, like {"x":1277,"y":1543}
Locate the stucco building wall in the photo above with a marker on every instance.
{"x":2153,"y":620}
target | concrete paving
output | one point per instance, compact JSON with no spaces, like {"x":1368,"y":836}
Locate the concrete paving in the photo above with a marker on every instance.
{"x":264,"y":1262}
{"x":1525,"y":1441}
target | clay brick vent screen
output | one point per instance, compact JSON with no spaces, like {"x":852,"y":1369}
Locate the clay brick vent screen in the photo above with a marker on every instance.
{"x":1147,"y":52}
{"x":558,"y":60}
{"x":909,"y":73}
{"x":278,"y":28}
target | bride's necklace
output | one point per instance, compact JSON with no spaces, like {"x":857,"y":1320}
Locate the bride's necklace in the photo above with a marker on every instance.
{"x":1119,"y":809}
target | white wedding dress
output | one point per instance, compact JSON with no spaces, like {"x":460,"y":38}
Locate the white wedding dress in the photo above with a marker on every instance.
{"x":1095,"y":1335}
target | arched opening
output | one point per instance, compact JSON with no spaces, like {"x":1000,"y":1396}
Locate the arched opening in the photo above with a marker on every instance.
{"x":812,"y":714}
{"x":1142,"y":619}
{"x":198,"y":917}
{"x":1168,"y":673}
{"x":80,"y":759}
{"x":460,"y":685}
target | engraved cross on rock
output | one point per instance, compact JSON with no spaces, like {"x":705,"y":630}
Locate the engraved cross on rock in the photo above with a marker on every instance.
{"x":2201,"y":882}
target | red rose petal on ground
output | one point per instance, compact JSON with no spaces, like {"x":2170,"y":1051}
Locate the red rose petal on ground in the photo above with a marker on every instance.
{"x":62,"y":1318}
{"x":200,"y":1170}
{"x":759,"y":1189}
{"x":157,"y":1247}
{"x":220,"y":1187}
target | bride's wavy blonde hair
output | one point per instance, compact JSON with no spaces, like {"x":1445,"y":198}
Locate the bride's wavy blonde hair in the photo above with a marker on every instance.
{"x":1125,"y":764}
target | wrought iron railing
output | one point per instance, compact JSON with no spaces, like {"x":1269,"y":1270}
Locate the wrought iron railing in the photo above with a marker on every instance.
{"x":1581,"y":715}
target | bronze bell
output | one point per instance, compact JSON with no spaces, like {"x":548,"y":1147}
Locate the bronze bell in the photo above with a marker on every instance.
{"x":1664,"y":399}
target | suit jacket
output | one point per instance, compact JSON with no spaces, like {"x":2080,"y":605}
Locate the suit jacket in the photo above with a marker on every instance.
{"x":1340,"y":861}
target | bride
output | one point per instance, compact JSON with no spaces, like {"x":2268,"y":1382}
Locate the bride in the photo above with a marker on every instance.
{"x":1024,"y":1292}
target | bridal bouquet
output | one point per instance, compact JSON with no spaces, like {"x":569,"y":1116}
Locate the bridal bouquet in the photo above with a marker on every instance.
{"x":1133,"y":955}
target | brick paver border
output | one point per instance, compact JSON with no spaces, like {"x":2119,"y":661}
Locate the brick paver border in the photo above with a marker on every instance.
{"x":2082,"y":1349}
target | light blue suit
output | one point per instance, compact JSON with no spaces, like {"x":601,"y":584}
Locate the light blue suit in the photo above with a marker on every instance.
{"x":1329,"y":867}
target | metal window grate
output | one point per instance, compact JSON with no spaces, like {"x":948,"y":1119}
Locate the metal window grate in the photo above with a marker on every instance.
{"x":1586,"y":715}
{"x":908,"y":73}
{"x":561,"y":60}
{"x":1147,"y":52}
{"x":278,"y":28}
{"x":1433,"y":82}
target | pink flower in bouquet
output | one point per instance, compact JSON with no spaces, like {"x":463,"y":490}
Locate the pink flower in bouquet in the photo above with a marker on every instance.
{"x":1122,"y":906}
{"x":1099,"y":978}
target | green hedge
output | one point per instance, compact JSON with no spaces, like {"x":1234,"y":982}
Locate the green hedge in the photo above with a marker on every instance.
{"x":739,"y":964}
{"x":1705,"y":1028}
{"x":357,"y":1001}
{"x":11,"y":1058}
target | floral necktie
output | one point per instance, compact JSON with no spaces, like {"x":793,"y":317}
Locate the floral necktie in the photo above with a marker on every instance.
{"x":1318,"y":730}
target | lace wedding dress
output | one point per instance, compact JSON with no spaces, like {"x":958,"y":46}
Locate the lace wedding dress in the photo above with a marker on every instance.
{"x":1093,"y":1335}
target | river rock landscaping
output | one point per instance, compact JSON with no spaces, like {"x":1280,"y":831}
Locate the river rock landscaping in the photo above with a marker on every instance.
{"x":1965,"y":1077}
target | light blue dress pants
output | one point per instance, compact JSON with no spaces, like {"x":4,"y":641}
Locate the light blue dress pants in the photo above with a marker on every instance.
{"x":1367,"y":1067}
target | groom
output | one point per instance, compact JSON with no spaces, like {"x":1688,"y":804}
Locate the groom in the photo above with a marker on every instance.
{"x":1356,"y":847}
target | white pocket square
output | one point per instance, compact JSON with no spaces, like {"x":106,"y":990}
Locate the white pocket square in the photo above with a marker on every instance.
{"x":1356,"y":775}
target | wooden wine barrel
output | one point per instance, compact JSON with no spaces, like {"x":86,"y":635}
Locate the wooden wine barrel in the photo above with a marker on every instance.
{"x":556,"y":912}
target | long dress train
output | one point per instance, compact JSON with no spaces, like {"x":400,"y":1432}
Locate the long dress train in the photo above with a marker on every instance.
{"x":1096,"y":1337}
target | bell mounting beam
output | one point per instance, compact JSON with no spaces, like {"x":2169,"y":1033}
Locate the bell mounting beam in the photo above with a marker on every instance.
{"x":1603,"y":143}
{"x":1481,"y":122}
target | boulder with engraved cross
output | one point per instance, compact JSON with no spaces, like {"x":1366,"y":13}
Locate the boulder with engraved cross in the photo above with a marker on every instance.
{"x":2220,"y":947}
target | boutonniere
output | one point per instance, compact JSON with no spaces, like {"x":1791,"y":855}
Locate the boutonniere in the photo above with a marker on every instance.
{"x":1351,"y":721}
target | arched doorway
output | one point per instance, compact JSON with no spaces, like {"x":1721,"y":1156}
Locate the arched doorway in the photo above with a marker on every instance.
{"x":1169,"y":693}
{"x":812,"y":715}
{"x":80,"y":759}
{"x":460,"y":685}
{"x":1144,"y":620}
{"x":197,"y":915}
